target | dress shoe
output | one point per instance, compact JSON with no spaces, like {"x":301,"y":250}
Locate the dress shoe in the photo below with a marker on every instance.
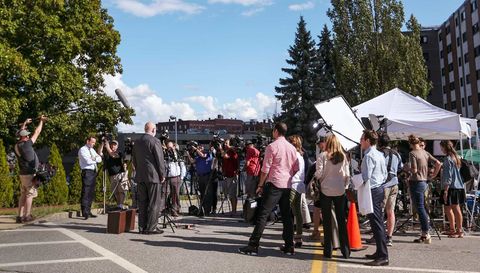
{"x":92,"y":215}
{"x":153,"y":232}
{"x":371,"y":256}
{"x":287,"y":250}
{"x":382,"y":262}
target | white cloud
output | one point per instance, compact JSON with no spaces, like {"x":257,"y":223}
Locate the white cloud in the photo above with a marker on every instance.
{"x":151,"y":107}
{"x":158,"y":7}
{"x":252,"y":12}
{"x":302,"y":6}
{"x":246,"y":3}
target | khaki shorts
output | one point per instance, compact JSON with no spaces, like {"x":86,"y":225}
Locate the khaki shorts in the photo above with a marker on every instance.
{"x":230,"y":187}
{"x":390,"y":198}
{"x":26,"y":187}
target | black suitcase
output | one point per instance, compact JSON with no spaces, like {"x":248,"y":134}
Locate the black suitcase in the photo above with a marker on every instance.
{"x":250,"y":207}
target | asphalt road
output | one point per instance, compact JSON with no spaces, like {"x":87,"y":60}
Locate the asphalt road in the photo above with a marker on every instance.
{"x":75,"y":245}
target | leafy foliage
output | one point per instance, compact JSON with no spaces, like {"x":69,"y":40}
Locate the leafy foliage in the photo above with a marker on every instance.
{"x":75,"y":185}
{"x":53,"y":56}
{"x":6,"y":186}
{"x":56,"y":192}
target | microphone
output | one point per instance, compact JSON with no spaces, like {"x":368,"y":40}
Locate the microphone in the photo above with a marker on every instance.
{"x":122,"y":98}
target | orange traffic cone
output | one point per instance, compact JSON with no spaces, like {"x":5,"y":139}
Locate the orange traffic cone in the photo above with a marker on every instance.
{"x":353,"y":229}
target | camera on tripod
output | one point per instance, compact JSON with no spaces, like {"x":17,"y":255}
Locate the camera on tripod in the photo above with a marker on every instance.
{"x":44,"y":174}
{"x":261,"y":143}
{"x":192,"y":147}
{"x":217,"y":142}
{"x":238,"y":143}
{"x":164,"y":137}
{"x":128,"y":148}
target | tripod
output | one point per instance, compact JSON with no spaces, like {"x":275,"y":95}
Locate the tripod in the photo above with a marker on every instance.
{"x":166,"y":219}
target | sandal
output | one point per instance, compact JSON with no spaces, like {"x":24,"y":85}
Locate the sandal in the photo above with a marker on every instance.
{"x":424,"y":239}
{"x":452,"y":234}
{"x":315,"y":235}
{"x":459,"y":234}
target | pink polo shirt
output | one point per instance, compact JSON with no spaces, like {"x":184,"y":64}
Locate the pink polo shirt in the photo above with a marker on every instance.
{"x":280,"y":163}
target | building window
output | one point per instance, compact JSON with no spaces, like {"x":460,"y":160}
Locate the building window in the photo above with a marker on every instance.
{"x":445,"y":106}
{"x":456,"y":21}
{"x":477,"y":74}
{"x":462,"y":82}
{"x":454,"y":105}
{"x":473,"y":5}
{"x":477,"y":51}
{"x":440,"y":36}
{"x":450,"y":67}
{"x":429,"y":74}
{"x":462,"y":16}
{"x":468,"y":78}
{"x":424,"y":39}
{"x":464,"y":37}
{"x":469,"y":99}
{"x":458,"y":41}
{"x":426,"y":57}
{"x":475,"y":28}
{"x":452,"y":86}
{"x":460,"y":61}
{"x":465,"y":57}
{"x":449,"y":48}
{"x":447,"y":30}
{"x":463,"y":102}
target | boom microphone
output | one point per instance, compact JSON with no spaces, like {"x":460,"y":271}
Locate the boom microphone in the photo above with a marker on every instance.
{"x":122,"y":98}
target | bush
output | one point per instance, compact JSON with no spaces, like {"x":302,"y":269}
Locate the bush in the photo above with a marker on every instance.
{"x":16,"y":184}
{"x":75,"y":186}
{"x":6,"y":186}
{"x":99,"y":185}
{"x":56,"y":192}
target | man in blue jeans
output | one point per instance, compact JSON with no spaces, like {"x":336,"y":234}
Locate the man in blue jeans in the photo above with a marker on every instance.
{"x":374,"y":170}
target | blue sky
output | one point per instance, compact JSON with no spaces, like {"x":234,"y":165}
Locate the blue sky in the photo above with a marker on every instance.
{"x":196,"y":59}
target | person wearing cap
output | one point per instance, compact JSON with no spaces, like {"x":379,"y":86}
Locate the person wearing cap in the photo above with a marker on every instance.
{"x":28,"y":163}
{"x":252,"y":167}
{"x":88,"y":159}
{"x":317,"y":216}
{"x":115,"y":169}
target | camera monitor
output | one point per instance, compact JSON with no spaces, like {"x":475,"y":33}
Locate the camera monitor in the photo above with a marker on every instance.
{"x":340,"y":119}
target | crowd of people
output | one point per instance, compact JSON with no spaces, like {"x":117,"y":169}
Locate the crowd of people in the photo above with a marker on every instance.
{"x":282,"y":175}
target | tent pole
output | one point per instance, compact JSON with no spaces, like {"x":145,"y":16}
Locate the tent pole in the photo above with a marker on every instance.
{"x":461,"y":143}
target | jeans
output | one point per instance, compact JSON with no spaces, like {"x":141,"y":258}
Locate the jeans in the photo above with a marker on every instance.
{"x":417,"y":190}
{"x":271,"y":196}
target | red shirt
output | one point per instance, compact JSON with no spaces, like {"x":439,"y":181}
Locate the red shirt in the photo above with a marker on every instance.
{"x":230,"y":164}
{"x":253,"y":161}
{"x":280,"y":163}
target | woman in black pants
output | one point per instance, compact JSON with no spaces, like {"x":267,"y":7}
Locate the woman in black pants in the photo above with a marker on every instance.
{"x":333,"y":175}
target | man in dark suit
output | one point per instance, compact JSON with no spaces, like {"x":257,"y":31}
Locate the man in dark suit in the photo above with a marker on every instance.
{"x":150,"y":175}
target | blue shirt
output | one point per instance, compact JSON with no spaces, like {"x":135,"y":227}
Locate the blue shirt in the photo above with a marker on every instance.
{"x":451,"y":175}
{"x":374,"y":168}
{"x":395,"y":166}
{"x":204,"y":165}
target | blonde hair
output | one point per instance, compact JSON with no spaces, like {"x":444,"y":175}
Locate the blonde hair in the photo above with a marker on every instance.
{"x":449,"y":149}
{"x":334,"y":150}
{"x":296,"y":141}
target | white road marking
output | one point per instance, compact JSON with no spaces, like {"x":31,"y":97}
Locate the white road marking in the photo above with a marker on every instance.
{"x":31,"y":229}
{"x":55,"y":261}
{"x":38,"y":243}
{"x":102,"y":251}
{"x":406,"y":269}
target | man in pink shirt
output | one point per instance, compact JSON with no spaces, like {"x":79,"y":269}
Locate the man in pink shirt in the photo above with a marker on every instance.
{"x":279,"y":166}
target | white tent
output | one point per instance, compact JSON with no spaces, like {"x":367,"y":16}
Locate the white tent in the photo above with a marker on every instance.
{"x":407,"y":115}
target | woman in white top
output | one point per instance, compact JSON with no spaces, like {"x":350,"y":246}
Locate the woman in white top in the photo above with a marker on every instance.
{"x":333,"y":175}
{"x":298,"y":188}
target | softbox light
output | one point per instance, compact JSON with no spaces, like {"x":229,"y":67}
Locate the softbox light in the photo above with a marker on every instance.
{"x":340,"y":118}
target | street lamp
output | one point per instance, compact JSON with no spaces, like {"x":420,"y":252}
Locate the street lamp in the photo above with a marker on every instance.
{"x":176,"y":135}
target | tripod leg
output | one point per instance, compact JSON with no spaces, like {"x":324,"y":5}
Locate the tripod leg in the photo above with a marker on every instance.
{"x":403,"y":224}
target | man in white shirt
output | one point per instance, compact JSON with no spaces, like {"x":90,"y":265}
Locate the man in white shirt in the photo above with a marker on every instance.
{"x":88,"y":159}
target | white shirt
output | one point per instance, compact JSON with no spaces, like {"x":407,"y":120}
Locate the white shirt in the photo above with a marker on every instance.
{"x":88,"y":158}
{"x":299,"y":177}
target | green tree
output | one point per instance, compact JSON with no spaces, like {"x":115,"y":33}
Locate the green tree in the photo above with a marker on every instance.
{"x":54,"y":55}
{"x":56,"y":191}
{"x":99,"y":185}
{"x":75,"y":186}
{"x":6,"y":186}
{"x":16,"y":184}
{"x":324,"y":75}
{"x":371,"y":54}
{"x":296,"y":90}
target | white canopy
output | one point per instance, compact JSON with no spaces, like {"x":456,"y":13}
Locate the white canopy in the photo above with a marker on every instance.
{"x":408,"y":115}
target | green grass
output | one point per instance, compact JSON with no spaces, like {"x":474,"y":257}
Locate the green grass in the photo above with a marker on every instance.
{"x":42,"y":211}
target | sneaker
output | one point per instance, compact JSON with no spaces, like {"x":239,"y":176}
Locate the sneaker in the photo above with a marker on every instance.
{"x":287,"y":250}
{"x":389,"y":241}
{"x":18,"y":220}
{"x":424,"y":239}
{"x":249,"y":250}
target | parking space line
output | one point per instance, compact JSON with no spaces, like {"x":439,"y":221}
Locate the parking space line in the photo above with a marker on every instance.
{"x":102,"y":251}
{"x":332,"y":265}
{"x":54,"y":261}
{"x":405,"y":269}
{"x":38,"y":243}
{"x":317,"y":263}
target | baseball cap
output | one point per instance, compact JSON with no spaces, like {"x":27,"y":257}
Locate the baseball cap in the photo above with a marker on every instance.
{"x":23,"y":133}
{"x":114,"y":142}
{"x":321,"y":139}
{"x":248,"y":142}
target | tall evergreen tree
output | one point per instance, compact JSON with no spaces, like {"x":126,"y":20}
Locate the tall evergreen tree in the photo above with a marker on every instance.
{"x":296,"y":90}
{"x":56,"y":191}
{"x":324,"y":77}
{"x":6,"y":187}
{"x":371,"y":54}
{"x":75,"y":186}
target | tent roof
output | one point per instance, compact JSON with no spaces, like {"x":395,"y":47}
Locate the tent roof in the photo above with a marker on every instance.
{"x":407,"y":115}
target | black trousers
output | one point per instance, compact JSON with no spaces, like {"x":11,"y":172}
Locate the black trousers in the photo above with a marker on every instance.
{"x":149,"y":204}
{"x":88,"y":191}
{"x":326,"y":205}
{"x":376,"y":223}
{"x":272,"y":196}
{"x":206,"y":197}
